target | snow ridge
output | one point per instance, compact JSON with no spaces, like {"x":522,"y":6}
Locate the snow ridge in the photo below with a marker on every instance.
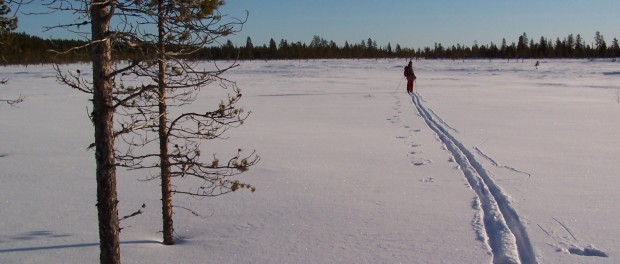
{"x":496,"y":164}
{"x":506,"y":235}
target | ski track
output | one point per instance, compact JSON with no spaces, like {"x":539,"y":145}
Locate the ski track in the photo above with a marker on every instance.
{"x":506,"y":235}
{"x":441,"y":121}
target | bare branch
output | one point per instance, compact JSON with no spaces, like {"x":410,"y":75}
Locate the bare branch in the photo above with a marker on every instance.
{"x":140,"y":211}
{"x":12,"y":102}
{"x":190,"y":210}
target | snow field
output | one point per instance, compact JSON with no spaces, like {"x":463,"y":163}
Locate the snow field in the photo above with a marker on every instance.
{"x":350,"y":171}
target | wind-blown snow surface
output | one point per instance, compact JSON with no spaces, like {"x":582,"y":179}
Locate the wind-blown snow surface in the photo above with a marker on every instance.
{"x":487,"y":157}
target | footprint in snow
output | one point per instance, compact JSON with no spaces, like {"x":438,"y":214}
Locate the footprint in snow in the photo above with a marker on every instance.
{"x":422,"y":163}
{"x":587,"y":252}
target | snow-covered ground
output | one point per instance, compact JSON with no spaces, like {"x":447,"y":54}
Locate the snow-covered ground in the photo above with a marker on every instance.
{"x":492,"y":161}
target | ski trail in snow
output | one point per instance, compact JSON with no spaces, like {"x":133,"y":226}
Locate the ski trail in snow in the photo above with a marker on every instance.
{"x":441,"y":121}
{"x":506,"y":235}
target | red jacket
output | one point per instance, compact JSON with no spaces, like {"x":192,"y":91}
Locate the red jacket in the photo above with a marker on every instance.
{"x":409,"y":73}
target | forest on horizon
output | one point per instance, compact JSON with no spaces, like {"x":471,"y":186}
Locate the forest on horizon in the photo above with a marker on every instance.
{"x":21,"y":48}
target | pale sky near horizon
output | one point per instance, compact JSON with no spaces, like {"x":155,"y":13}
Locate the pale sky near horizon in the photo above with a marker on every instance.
{"x":410,"y":23}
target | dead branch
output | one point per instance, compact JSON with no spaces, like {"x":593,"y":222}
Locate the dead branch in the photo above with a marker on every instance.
{"x":140,"y":211}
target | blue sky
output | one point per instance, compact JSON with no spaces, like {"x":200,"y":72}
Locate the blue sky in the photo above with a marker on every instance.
{"x":410,"y":23}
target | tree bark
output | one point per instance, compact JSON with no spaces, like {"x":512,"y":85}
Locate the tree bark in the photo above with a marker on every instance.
{"x":103,"y":113}
{"x":166,"y":191}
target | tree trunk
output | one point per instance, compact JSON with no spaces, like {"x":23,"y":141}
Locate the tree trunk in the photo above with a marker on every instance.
{"x":103,"y":113}
{"x":166,"y":192}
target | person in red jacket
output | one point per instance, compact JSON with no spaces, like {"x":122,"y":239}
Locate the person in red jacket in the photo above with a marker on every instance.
{"x":410,"y":75}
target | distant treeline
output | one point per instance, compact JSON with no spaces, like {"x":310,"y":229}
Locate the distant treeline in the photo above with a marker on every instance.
{"x":20,"y":48}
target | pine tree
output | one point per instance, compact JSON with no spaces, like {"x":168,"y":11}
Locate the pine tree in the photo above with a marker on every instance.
{"x":183,"y":28}
{"x":599,"y":44}
{"x":273,"y":48}
{"x":579,"y":46}
{"x":249,"y":49}
{"x":181,"y":32}
{"x":7,"y":24}
{"x":570,"y":45}
{"x":283,"y":49}
{"x":522,"y":48}
{"x":615,"y":48}
{"x":103,"y":119}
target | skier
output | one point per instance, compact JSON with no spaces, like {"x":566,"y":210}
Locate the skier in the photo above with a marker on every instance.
{"x":536,"y":65}
{"x":410,"y":75}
